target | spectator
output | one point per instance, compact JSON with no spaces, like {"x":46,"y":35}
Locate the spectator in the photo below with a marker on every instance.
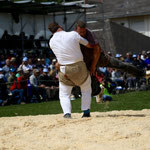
{"x":53,"y":71}
{"x":13,"y":63}
{"x":30,"y":64}
{"x":128,"y":58}
{"x":47,"y":83}
{"x":6,"y":68}
{"x":143,"y":55}
{"x":17,"y":94}
{"x":2,"y":60}
{"x":25,"y":66}
{"x":52,"y":66}
{"x":43,"y":64}
{"x":147,"y":61}
{"x":22,"y":84}
{"x":19,"y":72}
{"x":3,"y":87}
{"x":37,"y":90}
{"x":106,"y":92}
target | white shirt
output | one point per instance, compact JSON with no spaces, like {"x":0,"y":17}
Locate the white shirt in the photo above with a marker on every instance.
{"x":25,"y":67}
{"x":66,"y":47}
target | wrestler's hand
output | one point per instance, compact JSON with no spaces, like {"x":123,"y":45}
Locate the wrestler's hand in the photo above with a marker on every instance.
{"x":57,"y":65}
{"x":89,"y":45}
{"x":92,"y":70}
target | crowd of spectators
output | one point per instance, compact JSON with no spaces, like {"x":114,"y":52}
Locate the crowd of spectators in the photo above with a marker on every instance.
{"x":30,"y":76}
{"x":123,"y":81}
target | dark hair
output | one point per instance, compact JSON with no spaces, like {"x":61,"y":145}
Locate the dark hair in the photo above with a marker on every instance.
{"x":53,"y":27}
{"x":81,"y":24}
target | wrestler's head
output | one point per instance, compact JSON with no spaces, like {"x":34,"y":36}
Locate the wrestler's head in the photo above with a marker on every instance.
{"x":81,"y":28}
{"x":54,"y":26}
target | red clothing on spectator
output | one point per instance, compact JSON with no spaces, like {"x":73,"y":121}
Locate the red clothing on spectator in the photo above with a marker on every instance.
{"x":22,"y":82}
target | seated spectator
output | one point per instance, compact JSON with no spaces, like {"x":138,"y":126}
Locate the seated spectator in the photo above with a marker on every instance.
{"x":141,"y":63}
{"x":37,"y":89}
{"x":117,"y":77}
{"x":2,"y":60}
{"x":47,"y":83}
{"x":105,"y":93}
{"x":6,"y":68}
{"x":17,"y":94}
{"x":43,"y":63}
{"x":143,"y":55}
{"x":19,"y":72}
{"x":2,"y":74}
{"x":147,"y":61}
{"x":30,"y":64}
{"x":13,"y":63}
{"x":53,"y":73}
{"x":47,"y":60}
{"x":52,"y":66}
{"x":39,"y":64}
{"x":25,"y":66}
{"x":3,"y":87}
{"x":129,"y":58}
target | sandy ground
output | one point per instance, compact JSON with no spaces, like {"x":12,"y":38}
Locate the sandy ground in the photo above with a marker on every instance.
{"x":116,"y":130}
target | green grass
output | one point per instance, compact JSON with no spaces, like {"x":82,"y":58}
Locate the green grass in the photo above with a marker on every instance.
{"x":129,"y":101}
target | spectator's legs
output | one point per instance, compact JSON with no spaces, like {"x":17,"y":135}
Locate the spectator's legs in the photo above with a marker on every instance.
{"x":17,"y":94}
{"x":107,"y":97}
{"x":21,"y":98}
{"x":35,"y":91}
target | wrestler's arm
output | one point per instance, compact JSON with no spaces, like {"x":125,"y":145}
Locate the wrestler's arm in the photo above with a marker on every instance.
{"x":96,"y":55}
{"x":84,"y":42}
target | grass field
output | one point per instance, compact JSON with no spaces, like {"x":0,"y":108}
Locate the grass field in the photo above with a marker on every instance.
{"x":128,"y":101}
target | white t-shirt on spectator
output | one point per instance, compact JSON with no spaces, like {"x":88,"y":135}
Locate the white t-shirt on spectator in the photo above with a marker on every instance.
{"x":25,"y":68}
{"x":66,"y":47}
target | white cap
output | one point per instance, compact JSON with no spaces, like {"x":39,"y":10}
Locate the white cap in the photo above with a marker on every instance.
{"x":134,"y":56}
{"x":25,"y":59}
{"x":1,"y":69}
{"x":54,"y":60}
{"x":118,"y":55}
{"x":45,"y":70}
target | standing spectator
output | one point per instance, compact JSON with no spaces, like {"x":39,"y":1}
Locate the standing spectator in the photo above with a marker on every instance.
{"x":5,"y":40}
